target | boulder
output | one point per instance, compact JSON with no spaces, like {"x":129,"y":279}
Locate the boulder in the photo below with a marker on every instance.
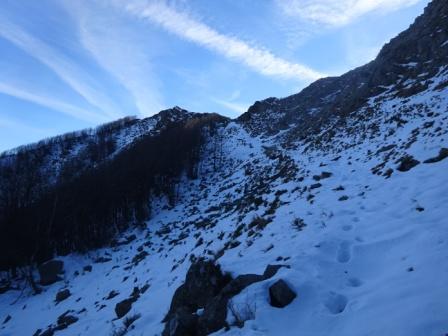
{"x":280,"y":294}
{"x":87,"y":268}
{"x":215,"y":313}
{"x":123,"y":307}
{"x":62,"y":295}
{"x":407,"y":163}
{"x":207,"y":288}
{"x":315,"y":185}
{"x":50,"y":272}
{"x":65,"y":320}
{"x":325,"y":175}
{"x":214,"y":316}
{"x":204,"y":281}
{"x":181,"y":323}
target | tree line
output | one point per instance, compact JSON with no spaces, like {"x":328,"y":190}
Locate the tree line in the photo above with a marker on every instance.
{"x":86,"y":211}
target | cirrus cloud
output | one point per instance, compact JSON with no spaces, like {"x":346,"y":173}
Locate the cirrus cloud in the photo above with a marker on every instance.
{"x":338,"y":12}
{"x":185,"y":26}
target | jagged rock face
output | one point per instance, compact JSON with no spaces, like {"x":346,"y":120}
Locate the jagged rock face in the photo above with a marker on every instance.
{"x":204,"y":280}
{"x":206,"y":287}
{"x":416,"y":53}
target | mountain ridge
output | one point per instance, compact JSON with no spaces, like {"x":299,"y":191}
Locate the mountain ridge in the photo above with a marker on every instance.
{"x":350,"y":205}
{"x":338,"y":96}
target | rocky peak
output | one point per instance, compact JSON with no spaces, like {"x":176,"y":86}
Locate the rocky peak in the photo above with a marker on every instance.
{"x":407,"y":62}
{"x":175,"y":113}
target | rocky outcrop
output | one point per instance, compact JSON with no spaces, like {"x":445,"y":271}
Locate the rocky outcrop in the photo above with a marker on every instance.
{"x":414,"y":56}
{"x":204,"y":280}
{"x":207,"y":288}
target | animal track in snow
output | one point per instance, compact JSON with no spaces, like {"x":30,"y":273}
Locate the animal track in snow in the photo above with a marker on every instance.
{"x":354,"y":282}
{"x":344,"y":253}
{"x":347,"y":227}
{"x":336,"y":303}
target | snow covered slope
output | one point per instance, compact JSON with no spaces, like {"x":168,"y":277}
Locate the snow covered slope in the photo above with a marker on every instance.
{"x":357,"y":212}
{"x":371,"y":260}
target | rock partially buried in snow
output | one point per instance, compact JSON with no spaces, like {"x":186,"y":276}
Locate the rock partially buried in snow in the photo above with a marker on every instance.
{"x":281,"y":294}
{"x":49,"y":272}
{"x":123,"y":307}
{"x":207,"y":288}
{"x":407,"y":163}
{"x":443,"y":154}
{"x":62,"y":295}
{"x":65,"y":320}
{"x":204,"y":280}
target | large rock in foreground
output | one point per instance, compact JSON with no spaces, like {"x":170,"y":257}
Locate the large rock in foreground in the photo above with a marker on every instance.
{"x":280,"y":294}
{"x":50,"y":272}
{"x":123,"y":307}
{"x":206,"y":288}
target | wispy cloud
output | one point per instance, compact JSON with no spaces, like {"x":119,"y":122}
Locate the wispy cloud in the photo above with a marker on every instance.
{"x":233,"y":106}
{"x":118,"y":50}
{"x":338,"y":12}
{"x":185,"y":26}
{"x":51,"y":103}
{"x":74,"y":76}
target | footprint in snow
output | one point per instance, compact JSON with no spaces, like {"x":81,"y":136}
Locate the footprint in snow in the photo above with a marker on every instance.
{"x":347,"y":227}
{"x":336,"y":303}
{"x":344,"y":253}
{"x":354,"y":282}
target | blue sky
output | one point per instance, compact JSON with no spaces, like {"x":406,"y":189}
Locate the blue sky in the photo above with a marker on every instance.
{"x":72,"y":64}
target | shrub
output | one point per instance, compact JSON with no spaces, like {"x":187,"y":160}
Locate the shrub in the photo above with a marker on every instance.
{"x":242,"y":312}
{"x":298,"y":224}
{"x":127,"y":323}
{"x":259,"y":223}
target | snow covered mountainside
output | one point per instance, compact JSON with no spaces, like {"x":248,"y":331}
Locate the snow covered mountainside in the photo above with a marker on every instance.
{"x":344,"y":186}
